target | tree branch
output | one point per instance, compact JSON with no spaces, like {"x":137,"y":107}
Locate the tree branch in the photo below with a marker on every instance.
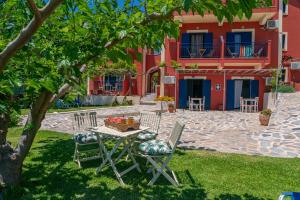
{"x":148,"y":19}
{"x":28,"y":31}
{"x":34,"y":9}
{"x":65,"y":88}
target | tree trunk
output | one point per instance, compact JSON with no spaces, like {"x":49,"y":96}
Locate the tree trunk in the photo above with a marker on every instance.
{"x":12,"y":159}
{"x":4,"y":121}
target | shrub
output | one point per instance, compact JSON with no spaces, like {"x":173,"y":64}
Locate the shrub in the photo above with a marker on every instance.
{"x":285,"y":89}
{"x":266,"y":112}
{"x":14,"y":119}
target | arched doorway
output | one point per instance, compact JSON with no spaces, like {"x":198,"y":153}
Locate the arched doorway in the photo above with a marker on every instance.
{"x":152,"y":79}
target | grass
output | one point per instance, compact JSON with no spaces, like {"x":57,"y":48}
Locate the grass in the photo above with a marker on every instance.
{"x":52,"y":110}
{"x":49,"y":173}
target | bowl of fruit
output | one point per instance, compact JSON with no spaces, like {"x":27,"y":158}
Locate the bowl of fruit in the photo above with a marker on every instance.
{"x":121,"y":124}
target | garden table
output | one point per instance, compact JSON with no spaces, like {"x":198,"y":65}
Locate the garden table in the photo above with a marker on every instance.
{"x":127,"y":138}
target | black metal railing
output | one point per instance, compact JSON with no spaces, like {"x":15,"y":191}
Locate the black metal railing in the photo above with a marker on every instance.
{"x":245,"y":50}
{"x":202,"y":50}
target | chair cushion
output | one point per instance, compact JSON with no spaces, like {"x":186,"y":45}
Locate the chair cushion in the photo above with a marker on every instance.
{"x":155,"y":147}
{"x":146,"y":135}
{"x":85,"y":137}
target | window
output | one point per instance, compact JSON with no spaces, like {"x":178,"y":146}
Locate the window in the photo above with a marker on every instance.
{"x":285,"y":9}
{"x":239,"y":44}
{"x":113,"y":83}
{"x":197,"y":45}
{"x":284,"y":41}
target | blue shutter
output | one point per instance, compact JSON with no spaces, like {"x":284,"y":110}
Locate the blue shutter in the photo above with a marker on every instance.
{"x":182,"y":93}
{"x":185,"y":45}
{"x":254,"y":88}
{"x":230,"y":95}
{"x":208,"y":42}
{"x":246,"y":38}
{"x":247,"y":43}
{"x":207,"y":93}
{"x":229,"y":42}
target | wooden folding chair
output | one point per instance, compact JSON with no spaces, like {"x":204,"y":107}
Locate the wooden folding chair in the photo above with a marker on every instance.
{"x":87,"y":144}
{"x":151,"y":120}
{"x":147,"y":119}
{"x":160,"y":153}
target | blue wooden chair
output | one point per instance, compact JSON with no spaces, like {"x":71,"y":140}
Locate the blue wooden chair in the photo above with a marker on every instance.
{"x":289,"y":196}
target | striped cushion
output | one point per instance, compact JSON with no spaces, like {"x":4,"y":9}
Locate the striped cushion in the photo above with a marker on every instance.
{"x":146,"y":135}
{"x":85,"y":138}
{"x":155,"y":147}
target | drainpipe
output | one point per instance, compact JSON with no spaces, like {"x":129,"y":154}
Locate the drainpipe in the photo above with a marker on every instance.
{"x":88,"y":86}
{"x":162,"y":72}
{"x":224,"y":90}
{"x":279,"y":45}
{"x":144,"y":71}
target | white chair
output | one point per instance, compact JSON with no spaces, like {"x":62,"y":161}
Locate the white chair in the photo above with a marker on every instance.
{"x":87,"y":144}
{"x":151,"y":120}
{"x":160,"y":153}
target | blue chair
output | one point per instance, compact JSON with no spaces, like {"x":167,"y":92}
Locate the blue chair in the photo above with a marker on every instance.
{"x":289,"y":196}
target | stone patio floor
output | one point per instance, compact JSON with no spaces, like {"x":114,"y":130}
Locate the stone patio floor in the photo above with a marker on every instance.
{"x":232,"y":132}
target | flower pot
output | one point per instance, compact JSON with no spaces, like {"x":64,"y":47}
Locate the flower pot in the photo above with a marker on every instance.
{"x":171,"y":108}
{"x":264,"y":119}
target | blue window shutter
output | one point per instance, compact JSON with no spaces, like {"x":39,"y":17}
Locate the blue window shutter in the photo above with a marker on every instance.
{"x":185,"y":45}
{"x":182,"y":93}
{"x":254,"y":88}
{"x":230,"y":41}
{"x":207,"y":93}
{"x":208,"y":42}
{"x":246,"y":38}
{"x":230,"y":95}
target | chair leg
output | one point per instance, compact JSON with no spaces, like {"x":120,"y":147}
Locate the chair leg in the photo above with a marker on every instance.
{"x":160,"y":170}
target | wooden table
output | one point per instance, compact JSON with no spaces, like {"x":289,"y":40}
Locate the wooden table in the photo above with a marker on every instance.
{"x":127,"y":138}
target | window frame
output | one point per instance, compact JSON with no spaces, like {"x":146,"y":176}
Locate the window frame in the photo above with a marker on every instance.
{"x":285,"y":45}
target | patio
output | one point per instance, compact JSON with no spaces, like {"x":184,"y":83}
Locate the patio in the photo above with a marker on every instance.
{"x":233,"y":132}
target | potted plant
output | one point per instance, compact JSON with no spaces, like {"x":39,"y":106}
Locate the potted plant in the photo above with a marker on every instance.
{"x":264,"y":117}
{"x":171,"y":106}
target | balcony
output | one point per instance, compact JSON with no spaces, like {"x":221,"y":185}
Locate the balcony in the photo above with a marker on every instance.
{"x":225,"y":54}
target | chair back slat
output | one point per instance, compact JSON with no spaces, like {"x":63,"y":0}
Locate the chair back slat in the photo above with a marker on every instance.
{"x":92,"y":119}
{"x":151,"y":120}
{"x":82,"y":121}
{"x":79,"y":122}
{"x":175,"y":135}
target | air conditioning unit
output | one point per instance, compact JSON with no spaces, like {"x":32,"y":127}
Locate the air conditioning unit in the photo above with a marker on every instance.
{"x":269,"y":81}
{"x":272,"y":24}
{"x":169,"y":80}
{"x":295,"y":65}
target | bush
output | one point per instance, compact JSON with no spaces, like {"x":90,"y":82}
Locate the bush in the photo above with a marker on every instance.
{"x":14,"y":119}
{"x":266,"y":112}
{"x":285,"y":89}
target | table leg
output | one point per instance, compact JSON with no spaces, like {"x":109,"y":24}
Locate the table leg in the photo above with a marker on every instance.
{"x":109,"y":159}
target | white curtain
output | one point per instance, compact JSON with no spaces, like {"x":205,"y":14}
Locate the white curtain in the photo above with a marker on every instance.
{"x":196,"y":43}
{"x":238,"y":87}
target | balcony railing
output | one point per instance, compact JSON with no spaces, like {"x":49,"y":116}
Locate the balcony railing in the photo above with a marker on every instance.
{"x":246,"y":50}
{"x":190,"y":50}
{"x":231,"y":50}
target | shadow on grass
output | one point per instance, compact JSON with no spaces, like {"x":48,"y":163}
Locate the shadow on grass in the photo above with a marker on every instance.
{"x":49,"y":173}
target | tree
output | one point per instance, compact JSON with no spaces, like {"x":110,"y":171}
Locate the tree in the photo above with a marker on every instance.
{"x":39,"y":16}
{"x":78,"y":38}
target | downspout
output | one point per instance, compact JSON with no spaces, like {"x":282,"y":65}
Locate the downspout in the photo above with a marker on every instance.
{"x":144,"y":71}
{"x":279,"y":46}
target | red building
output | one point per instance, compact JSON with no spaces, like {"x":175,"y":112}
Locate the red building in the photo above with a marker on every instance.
{"x":220,"y":61}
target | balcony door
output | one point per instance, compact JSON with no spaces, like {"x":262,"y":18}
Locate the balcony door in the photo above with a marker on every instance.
{"x":239,"y":44}
{"x":196,"y":45}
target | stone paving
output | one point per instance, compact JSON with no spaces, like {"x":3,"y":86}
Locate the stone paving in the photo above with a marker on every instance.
{"x":232,"y":132}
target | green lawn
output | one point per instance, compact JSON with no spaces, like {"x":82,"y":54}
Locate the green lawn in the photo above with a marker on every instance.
{"x":49,"y":173}
{"x":52,"y":110}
